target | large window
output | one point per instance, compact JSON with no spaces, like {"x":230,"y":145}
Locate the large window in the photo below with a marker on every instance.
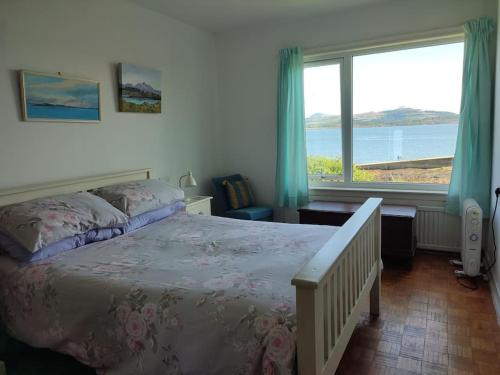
{"x":384,"y":117}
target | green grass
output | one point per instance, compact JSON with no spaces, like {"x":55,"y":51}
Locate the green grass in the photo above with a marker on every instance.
{"x":317,"y":165}
{"x":142,"y":108}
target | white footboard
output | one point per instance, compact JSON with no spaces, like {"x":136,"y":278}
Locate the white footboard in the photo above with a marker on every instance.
{"x":339,"y":282}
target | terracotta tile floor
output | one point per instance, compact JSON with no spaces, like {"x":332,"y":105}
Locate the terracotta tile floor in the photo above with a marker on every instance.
{"x":429,"y":324}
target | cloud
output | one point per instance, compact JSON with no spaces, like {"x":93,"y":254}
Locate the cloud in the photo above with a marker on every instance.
{"x":135,"y":74}
{"x":60,"y":91}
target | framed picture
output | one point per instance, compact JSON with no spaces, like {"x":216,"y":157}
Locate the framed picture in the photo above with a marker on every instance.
{"x":139,"y":89}
{"x":53,"y":97}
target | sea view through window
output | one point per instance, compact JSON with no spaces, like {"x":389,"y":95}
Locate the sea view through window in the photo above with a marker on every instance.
{"x":405,"y":106}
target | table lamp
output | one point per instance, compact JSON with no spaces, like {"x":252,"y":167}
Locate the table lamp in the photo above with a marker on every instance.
{"x":189,"y":180}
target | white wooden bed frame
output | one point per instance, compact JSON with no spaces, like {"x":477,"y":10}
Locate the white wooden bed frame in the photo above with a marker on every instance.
{"x":338,"y":283}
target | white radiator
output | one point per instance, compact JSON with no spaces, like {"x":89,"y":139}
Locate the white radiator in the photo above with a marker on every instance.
{"x":437,"y":230}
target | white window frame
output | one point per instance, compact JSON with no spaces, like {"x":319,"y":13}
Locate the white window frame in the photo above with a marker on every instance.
{"x":345,"y":57}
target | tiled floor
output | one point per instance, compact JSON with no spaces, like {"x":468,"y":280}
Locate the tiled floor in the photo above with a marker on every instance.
{"x":429,"y":324}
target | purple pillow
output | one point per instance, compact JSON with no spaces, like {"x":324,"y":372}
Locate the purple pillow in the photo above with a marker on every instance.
{"x":150,"y":217}
{"x":18,"y":252}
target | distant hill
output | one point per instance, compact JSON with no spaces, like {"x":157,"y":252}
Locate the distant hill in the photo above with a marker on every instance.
{"x":140,"y":90}
{"x":394,"y":117}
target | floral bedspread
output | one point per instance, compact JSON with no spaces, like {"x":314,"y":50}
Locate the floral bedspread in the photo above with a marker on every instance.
{"x":186,"y":295}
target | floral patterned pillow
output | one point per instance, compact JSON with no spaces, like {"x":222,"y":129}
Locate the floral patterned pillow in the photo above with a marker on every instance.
{"x":40,"y":222}
{"x":138,"y":197}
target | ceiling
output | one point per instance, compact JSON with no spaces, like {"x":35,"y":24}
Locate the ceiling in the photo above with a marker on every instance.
{"x":222,"y":15}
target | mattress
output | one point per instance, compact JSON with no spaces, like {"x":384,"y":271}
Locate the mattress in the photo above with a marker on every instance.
{"x":185,"y":295}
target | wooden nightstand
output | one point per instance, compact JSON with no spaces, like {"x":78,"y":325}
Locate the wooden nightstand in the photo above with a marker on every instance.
{"x":199,"y":205}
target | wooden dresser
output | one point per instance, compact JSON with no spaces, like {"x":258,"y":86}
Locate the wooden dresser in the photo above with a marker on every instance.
{"x":398,"y":225}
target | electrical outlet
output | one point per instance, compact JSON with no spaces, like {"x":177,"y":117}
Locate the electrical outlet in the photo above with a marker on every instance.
{"x":497,"y":191}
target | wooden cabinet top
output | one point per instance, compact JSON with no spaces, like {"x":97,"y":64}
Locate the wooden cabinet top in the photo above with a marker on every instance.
{"x":350,"y":208}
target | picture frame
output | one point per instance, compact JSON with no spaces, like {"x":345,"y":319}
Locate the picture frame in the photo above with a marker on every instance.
{"x":139,"y":89}
{"x":49,"y":97}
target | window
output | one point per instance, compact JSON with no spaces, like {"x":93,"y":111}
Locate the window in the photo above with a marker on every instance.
{"x":384,"y":117}
{"x":323,"y":120}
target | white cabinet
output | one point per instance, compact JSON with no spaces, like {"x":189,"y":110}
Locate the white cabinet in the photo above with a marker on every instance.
{"x":199,"y":205}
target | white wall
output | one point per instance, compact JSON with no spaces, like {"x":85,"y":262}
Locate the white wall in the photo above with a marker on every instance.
{"x":495,"y":182}
{"x":247,"y":66}
{"x":87,"y":39}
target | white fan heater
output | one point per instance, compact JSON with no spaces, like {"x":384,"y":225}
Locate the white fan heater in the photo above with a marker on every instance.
{"x":472,"y":233}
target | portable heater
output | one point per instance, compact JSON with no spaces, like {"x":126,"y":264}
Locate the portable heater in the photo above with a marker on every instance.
{"x":472,"y":233}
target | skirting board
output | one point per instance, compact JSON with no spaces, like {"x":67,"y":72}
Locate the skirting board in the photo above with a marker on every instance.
{"x":495,"y":296}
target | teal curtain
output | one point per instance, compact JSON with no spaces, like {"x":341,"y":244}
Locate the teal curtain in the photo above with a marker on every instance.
{"x":291,"y":166}
{"x":471,"y":173}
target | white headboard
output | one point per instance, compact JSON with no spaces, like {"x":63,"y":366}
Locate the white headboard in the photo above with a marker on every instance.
{"x":24,"y":193}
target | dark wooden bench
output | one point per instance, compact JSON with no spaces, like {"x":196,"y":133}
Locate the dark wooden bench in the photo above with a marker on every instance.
{"x":398,"y":225}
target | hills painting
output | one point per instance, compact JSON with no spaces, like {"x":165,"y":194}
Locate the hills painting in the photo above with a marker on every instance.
{"x":395,"y":117}
{"x":139,"y":89}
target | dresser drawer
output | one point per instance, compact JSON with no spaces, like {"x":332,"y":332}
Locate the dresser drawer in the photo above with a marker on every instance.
{"x":199,"y":206}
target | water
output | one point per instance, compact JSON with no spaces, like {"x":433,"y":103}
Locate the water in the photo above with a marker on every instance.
{"x":61,"y":112}
{"x":386,"y":143}
{"x":140,"y":100}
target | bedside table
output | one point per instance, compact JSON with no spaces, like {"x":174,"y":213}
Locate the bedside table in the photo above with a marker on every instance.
{"x":199,"y":205}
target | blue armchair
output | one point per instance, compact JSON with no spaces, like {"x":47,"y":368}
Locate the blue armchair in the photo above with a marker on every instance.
{"x":247,"y":213}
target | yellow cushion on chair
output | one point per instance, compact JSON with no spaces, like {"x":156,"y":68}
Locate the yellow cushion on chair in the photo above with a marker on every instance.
{"x":238,"y":194}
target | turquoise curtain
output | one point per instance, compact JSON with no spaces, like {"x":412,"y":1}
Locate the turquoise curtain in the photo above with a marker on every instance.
{"x":471,"y":173}
{"x":291,"y":166}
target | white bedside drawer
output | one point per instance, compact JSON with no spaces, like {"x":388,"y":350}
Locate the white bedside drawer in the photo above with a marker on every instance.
{"x":199,"y":205}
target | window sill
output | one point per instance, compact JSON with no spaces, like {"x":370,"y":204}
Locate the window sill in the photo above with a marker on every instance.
{"x":441,"y":193}
{"x":414,"y":197}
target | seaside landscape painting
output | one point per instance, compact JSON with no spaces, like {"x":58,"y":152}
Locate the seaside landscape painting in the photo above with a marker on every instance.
{"x":139,"y":89}
{"x":47,"y":97}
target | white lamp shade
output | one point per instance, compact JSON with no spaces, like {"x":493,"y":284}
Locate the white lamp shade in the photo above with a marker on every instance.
{"x":190,"y":181}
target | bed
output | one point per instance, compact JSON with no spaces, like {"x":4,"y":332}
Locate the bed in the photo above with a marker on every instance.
{"x":198,"y":294}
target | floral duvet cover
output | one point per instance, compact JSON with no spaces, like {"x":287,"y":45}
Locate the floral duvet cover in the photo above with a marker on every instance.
{"x":186,"y":295}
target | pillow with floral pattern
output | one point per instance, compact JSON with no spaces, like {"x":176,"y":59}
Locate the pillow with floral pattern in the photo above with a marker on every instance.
{"x":38,"y":223}
{"x":137,"y":197}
